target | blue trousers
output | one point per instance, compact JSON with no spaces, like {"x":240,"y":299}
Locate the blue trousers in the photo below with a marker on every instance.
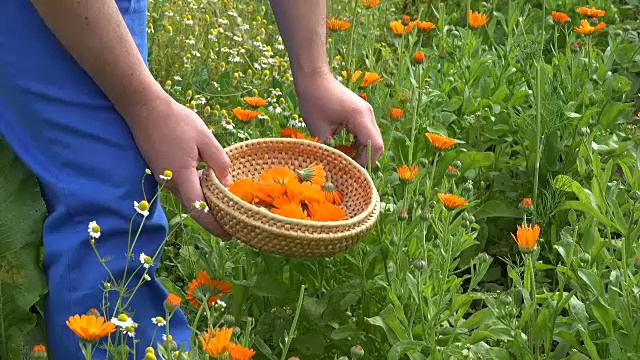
{"x":63,"y":127}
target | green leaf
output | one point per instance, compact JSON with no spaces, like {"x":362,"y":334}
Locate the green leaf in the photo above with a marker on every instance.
{"x":593,"y":281}
{"x":346,"y":331}
{"x":403,"y":347}
{"x":263,"y":348}
{"x":611,"y":113}
{"x":589,"y":210}
{"x":565,"y":183}
{"x":603,"y":313}
{"x":497,"y":208}
{"x":22,"y":281}
{"x":481,"y":317}
{"x":389,"y":322}
{"x":171,"y":287}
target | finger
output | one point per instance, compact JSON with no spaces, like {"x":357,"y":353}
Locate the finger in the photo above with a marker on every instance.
{"x":189,"y":191}
{"x":365,"y":130}
{"x":216,"y":158}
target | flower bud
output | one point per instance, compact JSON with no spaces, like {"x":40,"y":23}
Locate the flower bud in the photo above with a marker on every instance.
{"x":236,"y":331}
{"x":636,"y":264}
{"x":426,"y":215}
{"x":452,"y":172}
{"x":150,"y":356}
{"x":575,"y":47}
{"x":465,"y":224}
{"x":634,"y":195}
{"x":39,"y":352}
{"x":457,"y":164}
{"x":584,"y":258}
{"x":357,"y":352}
{"x":467,"y":187}
{"x":419,"y":264}
{"x":584,"y":131}
{"x":229,"y":319}
{"x":442,"y":54}
{"x":329,"y":141}
{"x":389,"y":83}
{"x":402,"y":215}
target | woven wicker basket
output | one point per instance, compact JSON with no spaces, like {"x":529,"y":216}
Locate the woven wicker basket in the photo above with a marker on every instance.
{"x":275,"y":234}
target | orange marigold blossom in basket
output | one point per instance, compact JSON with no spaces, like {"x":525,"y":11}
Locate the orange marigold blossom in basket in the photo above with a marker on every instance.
{"x":559,"y":17}
{"x":216,"y":342}
{"x":238,"y":352}
{"x":396,"y":113}
{"x":440,"y":142}
{"x":255,"y":101}
{"x":477,"y":19}
{"x":527,"y":237}
{"x":591,"y":12}
{"x":338,"y":25}
{"x":244,"y":114}
{"x":451,"y":201}
{"x":90,"y":328}
{"x":586,"y":28}
{"x":204,"y":287}
{"x":303,"y":194}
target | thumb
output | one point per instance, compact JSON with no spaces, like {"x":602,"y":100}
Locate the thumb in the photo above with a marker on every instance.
{"x":214,"y":155}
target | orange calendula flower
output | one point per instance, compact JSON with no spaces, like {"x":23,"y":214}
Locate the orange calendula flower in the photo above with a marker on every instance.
{"x":292,"y":211}
{"x":407,"y":173}
{"x":244,"y":189}
{"x":314,"y":173}
{"x":369,"y":79}
{"x":277,"y":175}
{"x":418,"y":57}
{"x":255,"y":101}
{"x":586,"y":28}
{"x":348,"y":150}
{"x":527,"y":237}
{"x":398,"y":28}
{"x":245,"y":115}
{"x":172,"y":302}
{"x":331,"y":193}
{"x":477,"y":19}
{"x":440,"y":142}
{"x":526,"y":204}
{"x":90,"y":328}
{"x":559,"y":17}
{"x":216,"y":342}
{"x":355,"y":76}
{"x":238,"y":352}
{"x":39,"y":352}
{"x":424,"y":25}
{"x":638,"y":116}
{"x":363,"y":96}
{"x":338,"y":25}
{"x":326,"y":212}
{"x":451,"y":201}
{"x":396,"y":113}
{"x":591,"y":12}
{"x":203,"y":287}
{"x":370,"y":3}
{"x":291,"y":133}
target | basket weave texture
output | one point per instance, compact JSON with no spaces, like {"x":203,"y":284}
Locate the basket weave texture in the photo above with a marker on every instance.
{"x":265,"y":231}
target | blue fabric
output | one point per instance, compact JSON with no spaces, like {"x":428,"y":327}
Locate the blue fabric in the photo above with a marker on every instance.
{"x":63,"y":127}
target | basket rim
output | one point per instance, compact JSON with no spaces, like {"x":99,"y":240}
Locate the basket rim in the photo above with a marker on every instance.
{"x":306,"y":223}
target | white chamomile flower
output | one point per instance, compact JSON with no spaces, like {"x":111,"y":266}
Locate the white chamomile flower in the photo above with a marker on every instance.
{"x":146,"y":260}
{"x":142,"y":207}
{"x":201,"y":205}
{"x":228,"y":124}
{"x":167,"y":175}
{"x":130,"y":330}
{"x":220,"y":304}
{"x":159,"y":320}
{"x":123,"y":321}
{"x":94,"y":230}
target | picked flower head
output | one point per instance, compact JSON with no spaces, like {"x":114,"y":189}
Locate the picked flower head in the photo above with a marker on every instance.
{"x":94,"y":230}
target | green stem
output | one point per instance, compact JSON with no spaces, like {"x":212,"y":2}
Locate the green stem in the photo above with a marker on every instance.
{"x":415,"y":113}
{"x":533,"y":299}
{"x":293,"y":325}
{"x":538,"y":137}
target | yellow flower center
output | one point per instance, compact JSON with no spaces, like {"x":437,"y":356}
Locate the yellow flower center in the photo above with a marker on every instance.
{"x":95,"y":228}
{"x":123,"y":317}
{"x":229,"y":121}
{"x":168,"y":173}
{"x":143,"y":205}
{"x":129,"y":329}
{"x":147,"y":260}
{"x":159,"y":319}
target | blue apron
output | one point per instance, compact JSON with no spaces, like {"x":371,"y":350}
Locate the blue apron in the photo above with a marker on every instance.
{"x":59,"y":122}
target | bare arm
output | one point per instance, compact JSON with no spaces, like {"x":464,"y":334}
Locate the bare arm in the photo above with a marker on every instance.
{"x":95,"y":34}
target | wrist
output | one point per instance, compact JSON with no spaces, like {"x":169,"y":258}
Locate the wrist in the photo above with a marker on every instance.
{"x":143,"y":100}
{"x":309,"y":76}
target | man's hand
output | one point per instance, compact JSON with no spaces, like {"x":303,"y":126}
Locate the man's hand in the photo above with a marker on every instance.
{"x":328,"y":107}
{"x":178,"y":141}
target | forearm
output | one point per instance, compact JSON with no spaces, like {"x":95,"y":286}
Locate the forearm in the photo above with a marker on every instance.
{"x":303,"y":27}
{"x":95,"y":34}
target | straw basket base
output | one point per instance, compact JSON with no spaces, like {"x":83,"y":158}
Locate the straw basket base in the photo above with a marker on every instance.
{"x":265,"y":231}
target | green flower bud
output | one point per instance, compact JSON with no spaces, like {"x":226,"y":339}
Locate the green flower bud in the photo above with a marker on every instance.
{"x":357,"y":352}
{"x":419,"y":264}
{"x":634,"y":195}
{"x":457,"y":164}
{"x":402,"y":215}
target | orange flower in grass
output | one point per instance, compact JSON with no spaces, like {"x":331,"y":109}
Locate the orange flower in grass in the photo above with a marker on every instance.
{"x":396,"y":113}
{"x":370,"y":3}
{"x":526,"y":204}
{"x":451,"y":201}
{"x":399,"y":29}
{"x":418,"y":57}
{"x":204,"y":288}
{"x":591,"y":12}
{"x":295,"y":134}
{"x":39,"y":352}
{"x":559,"y":17}
{"x":326,"y":212}
{"x":477,"y":19}
{"x":292,"y":211}
{"x":440,"y":142}
{"x":406,"y":173}
{"x":586,"y":28}
{"x":216,"y":342}
{"x":369,"y":79}
{"x":90,"y":328}
{"x":172,"y":302}
{"x":238,"y":352}
{"x":638,"y":116}
{"x":255,"y":101}
{"x":338,"y":25}
{"x":244,"y":114}
{"x":527,"y":237}
{"x":424,"y":25}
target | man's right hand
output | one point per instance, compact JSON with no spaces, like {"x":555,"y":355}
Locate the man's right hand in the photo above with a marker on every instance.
{"x":172,"y":137}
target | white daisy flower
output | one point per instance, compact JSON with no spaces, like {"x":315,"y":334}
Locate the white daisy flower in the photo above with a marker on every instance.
{"x":244,"y":27}
{"x":228,"y":124}
{"x":234,"y":58}
{"x":188,"y":21}
{"x":190,"y":40}
{"x":237,"y":38}
{"x":146,"y":260}
{"x":142,"y":207}
{"x":178,"y":78}
{"x":168,"y":13}
{"x":94,"y":230}
{"x":123,"y":321}
{"x":232,"y":13}
{"x":167,"y":175}
{"x":201,"y":205}
{"x":275,"y":108}
{"x":159,"y":320}
{"x":223,"y":21}
{"x":130,"y":330}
